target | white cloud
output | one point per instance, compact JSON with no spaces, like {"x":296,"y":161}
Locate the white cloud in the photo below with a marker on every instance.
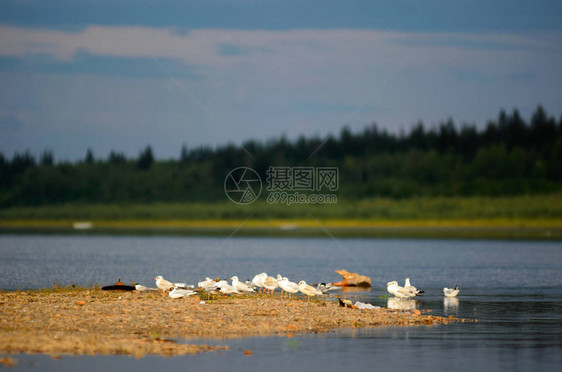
{"x":270,"y":82}
{"x":201,"y":46}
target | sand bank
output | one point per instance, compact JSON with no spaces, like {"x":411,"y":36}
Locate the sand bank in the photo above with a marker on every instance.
{"x":96,"y":322}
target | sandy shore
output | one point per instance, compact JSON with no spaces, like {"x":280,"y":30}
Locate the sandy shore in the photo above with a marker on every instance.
{"x":94,"y":322}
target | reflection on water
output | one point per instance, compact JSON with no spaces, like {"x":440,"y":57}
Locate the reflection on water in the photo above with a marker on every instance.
{"x":450,"y":305}
{"x":355,"y":289}
{"x":401,"y":304}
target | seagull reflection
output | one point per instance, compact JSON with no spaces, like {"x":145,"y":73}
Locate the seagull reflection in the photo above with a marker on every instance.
{"x":450,"y":305}
{"x":400,"y":304}
{"x":349,"y":289}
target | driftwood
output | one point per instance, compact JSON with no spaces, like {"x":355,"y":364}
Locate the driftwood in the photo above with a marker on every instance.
{"x":353,"y":279}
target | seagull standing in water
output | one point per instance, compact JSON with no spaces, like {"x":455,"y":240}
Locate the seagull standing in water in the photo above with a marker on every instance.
{"x":411,"y":288}
{"x":448,"y":292}
{"x":326,"y":287}
{"x":400,"y":292}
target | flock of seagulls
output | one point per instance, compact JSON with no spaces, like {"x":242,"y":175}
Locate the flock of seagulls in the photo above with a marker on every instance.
{"x":265,"y":283}
{"x":408,"y":291}
{"x":261,"y":282}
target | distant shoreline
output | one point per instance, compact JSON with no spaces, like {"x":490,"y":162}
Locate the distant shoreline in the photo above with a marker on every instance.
{"x":540,"y":229}
{"x":537,"y":217}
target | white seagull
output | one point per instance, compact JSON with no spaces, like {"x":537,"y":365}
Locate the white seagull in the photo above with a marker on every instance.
{"x":308,"y":290}
{"x":142,"y":288}
{"x":326,"y":287}
{"x":250,"y":284}
{"x":270,"y":283}
{"x":286,"y":285}
{"x":258,"y":280}
{"x":451,"y":292}
{"x":400,"y":292}
{"x":164,"y":285}
{"x":221,"y":283}
{"x":209,"y":285}
{"x":226,"y":288}
{"x":411,"y":288}
{"x":239,"y":286}
{"x":178,"y":292}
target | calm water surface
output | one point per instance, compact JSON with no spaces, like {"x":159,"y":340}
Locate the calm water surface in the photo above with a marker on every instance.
{"x":513,"y":288}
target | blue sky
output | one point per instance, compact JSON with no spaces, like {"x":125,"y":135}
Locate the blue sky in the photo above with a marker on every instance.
{"x":118,"y":75}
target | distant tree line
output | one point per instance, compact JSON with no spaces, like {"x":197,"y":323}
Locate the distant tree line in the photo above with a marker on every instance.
{"x":508,"y":156}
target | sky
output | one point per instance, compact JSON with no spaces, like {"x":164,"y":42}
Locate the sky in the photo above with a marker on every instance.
{"x":121,"y":75}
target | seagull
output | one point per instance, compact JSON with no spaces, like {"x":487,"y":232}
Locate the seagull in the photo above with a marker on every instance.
{"x":258,"y":280}
{"x":411,"y":288}
{"x":250,"y":284}
{"x":208,"y":285}
{"x":221,"y":283}
{"x":308,"y":290}
{"x":142,"y":288}
{"x":270,"y":283}
{"x":286,"y":285}
{"x":163,"y":284}
{"x":451,"y":292}
{"x":325,"y":287}
{"x":239,"y":286}
{"x":400,"y":292}
{"x":226,"y":288}
{"x":178,"y":292}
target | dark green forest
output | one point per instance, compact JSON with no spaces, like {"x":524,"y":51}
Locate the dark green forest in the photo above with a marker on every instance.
{"x":508,"y":156}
